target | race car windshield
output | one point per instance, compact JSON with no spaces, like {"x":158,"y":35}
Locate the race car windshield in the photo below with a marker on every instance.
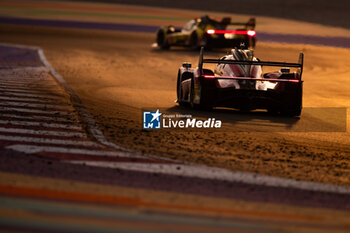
{"x":189,"y":25}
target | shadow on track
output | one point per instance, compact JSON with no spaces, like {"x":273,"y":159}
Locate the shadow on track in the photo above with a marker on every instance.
{"x":235,"y":120}
{"x":311,"y":120}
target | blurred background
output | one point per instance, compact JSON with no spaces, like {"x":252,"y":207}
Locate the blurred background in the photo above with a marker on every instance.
{"x":332,"y":13}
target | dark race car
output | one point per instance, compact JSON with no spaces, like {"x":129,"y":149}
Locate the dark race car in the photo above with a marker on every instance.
{"x":208,"y":33}
{"x":239,"y":82}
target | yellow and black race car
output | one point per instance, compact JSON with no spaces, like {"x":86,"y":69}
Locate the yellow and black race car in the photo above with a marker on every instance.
{"x":209,"y":33}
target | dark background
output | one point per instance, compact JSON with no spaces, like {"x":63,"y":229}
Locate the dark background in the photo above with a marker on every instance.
{"x":327,"y":12}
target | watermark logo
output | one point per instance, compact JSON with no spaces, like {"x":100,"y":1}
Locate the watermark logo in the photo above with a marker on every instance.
{"x":151,"y":120}
{"x":157,"y":120}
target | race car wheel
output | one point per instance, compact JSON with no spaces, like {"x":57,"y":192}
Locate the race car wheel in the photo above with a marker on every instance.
{"x":179,"y":90}
{"x":192,"y":104}
{"x":161,"y":40}
{"x":194,"y":41}
{"x":201,"y":106}
{"x":294,"y":110}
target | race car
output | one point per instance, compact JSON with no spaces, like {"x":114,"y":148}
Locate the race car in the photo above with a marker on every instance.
{"x":209,"y":33}
{"x":238,"y":82}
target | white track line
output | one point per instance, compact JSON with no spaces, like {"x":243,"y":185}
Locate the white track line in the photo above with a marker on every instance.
{"x":33,"y":100}
{"x":43,"y":118}
{"x":26,"y":110}
{"x":220,"y":174}
{"x":31,"y":105}
{"x":37,"y":149}
{"x":19,"y":139}
{"x":40,"y":124}
{"x":43,"y":132}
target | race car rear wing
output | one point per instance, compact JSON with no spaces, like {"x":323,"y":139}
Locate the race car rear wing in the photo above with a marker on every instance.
{"x":298,"y":65}
{"x":249,"y":25}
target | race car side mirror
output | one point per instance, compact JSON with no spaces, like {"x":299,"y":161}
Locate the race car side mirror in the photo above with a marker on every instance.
{"x":186,"y":65}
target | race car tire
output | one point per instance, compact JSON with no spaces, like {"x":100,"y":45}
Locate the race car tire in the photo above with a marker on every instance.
{"x":294,"y":110}
{"x":192,"y":104}
{"x":162,"y":40}
{"x":201,"y":106}
{"x":179,"y":89}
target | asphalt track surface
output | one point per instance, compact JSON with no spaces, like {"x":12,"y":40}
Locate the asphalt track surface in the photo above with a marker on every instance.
{"x":127,"y":193}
